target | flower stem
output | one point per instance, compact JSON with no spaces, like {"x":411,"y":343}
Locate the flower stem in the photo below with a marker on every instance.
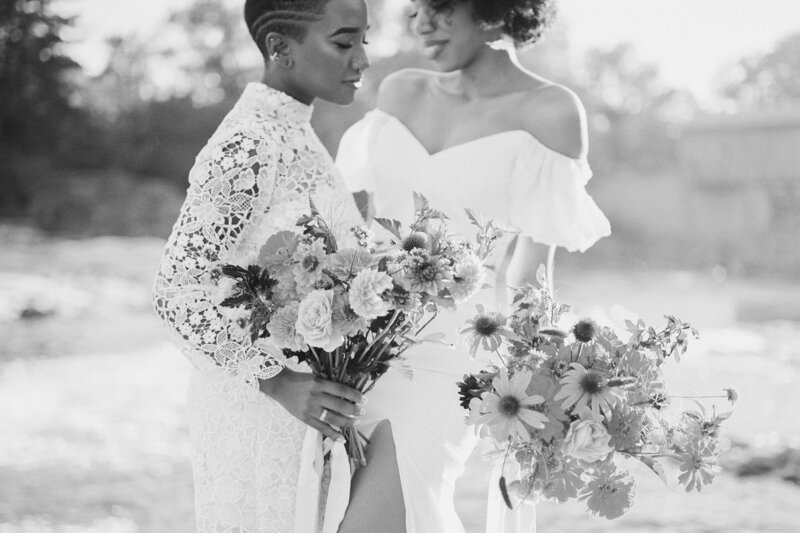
{"x":501,"y":357}
{"x":697,"y":397}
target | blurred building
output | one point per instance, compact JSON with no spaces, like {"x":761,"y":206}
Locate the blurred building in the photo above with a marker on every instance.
{"x":742,"y":176}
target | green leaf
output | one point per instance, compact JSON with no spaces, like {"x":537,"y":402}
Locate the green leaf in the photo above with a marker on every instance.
{"x":314,"y":210}
{"x":420,"y":202}
{"x":653,"y":465}
{"x":391,"y":225}
{"x":438,"y":337}
{"x":473,"y":218}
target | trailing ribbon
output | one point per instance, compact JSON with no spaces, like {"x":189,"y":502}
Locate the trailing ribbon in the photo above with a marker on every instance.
{"x":312,"y":464}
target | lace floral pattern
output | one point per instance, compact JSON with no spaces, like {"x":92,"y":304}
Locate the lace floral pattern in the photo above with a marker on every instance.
{"x":252,"y":179}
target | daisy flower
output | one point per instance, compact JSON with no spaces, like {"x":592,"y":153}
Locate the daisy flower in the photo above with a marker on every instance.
{"x":486,"y":330}
{"x":506,"y":409}
{"x":581,"y":387}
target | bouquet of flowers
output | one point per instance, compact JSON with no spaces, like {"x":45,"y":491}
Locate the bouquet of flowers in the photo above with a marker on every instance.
{"x":350,"y":312}
{"x":563,"y":408}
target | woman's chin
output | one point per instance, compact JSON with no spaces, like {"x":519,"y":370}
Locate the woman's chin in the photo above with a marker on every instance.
{"x":341,"y":98}
{"x":445,"y":64}
{"x":445,"y":67}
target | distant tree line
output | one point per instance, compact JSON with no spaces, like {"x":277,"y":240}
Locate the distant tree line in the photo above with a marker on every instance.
{"x":56,"y":120}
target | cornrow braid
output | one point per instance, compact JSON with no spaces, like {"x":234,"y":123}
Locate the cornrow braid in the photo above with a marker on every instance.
{"x":288,"y":17}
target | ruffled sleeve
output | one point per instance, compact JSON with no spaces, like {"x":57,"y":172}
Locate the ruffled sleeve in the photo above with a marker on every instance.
{"x":355,"y":147}
{"x":550,"y":203}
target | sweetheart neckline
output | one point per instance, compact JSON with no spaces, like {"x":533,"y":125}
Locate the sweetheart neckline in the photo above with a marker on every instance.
{"x":528,"y":135}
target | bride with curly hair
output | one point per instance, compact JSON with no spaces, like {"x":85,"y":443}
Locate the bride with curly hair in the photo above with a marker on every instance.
{"x":483,"y":132}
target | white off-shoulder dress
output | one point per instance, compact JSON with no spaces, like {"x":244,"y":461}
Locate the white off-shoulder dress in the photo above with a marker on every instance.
{"x":252,"y":179}
{"x":510,"y":176}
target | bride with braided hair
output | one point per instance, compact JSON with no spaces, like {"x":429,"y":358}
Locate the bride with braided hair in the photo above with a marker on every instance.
{"x":250,"y":408}
{"x":480,"y":132}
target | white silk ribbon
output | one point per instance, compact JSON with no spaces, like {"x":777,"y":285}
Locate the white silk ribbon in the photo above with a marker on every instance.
{"x":307,"y":504}
{"x":501,"y":519}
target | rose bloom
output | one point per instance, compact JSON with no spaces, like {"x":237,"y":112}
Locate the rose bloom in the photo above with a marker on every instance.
{"x":314,"y":320}
{"x":365,"y":293}
{"x":588,"y":441}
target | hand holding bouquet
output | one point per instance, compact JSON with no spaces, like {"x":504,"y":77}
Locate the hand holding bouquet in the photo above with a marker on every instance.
{"x":564,"y":407}
{"x":350,"y":312}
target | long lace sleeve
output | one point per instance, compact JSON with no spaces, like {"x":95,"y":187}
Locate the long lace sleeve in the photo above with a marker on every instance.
{"x":230,"y":181}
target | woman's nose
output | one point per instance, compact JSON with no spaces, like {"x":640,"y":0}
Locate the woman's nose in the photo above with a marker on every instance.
{"x":423,"y":22}
{"x":360,"y":61}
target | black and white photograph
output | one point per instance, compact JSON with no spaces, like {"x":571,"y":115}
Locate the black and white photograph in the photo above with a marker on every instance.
{"x":399,"y":266}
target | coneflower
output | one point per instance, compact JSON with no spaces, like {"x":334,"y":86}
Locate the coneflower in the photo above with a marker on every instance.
{"x":585,"y":330}
{"x":416,"y":239}
{"x":586,"y":387}
{"x":486,"y":330}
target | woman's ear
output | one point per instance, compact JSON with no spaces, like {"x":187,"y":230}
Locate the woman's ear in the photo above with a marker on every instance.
{"x":278,"y":49}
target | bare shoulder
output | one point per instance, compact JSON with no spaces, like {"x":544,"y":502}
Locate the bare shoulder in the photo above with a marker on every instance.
{"x":555,"y":116}
{"x":399,"y":90}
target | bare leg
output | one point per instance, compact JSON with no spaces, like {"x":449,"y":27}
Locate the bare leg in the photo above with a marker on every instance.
{"x":376,"y":496}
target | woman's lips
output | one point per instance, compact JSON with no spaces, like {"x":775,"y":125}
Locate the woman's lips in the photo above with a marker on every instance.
{"x":355,"y":83}
{"x":431,"y":49}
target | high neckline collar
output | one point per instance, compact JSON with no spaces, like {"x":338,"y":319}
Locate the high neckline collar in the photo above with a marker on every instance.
{"x":274,"y":102}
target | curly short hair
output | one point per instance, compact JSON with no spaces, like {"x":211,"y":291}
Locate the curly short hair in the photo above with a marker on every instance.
{"x":523,"y":20}
{"x":289,"y":17}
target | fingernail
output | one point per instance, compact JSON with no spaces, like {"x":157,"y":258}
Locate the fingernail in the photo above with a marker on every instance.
{"x":361,"y":411}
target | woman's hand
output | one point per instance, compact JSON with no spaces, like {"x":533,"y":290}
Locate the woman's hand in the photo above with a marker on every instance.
{"x":307,"y":397}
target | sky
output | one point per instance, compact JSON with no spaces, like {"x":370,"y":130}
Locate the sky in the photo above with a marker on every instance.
{"x":690,"y":40}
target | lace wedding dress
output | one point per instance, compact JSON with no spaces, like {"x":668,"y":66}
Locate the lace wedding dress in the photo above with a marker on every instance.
{"x":509,"y":176}
{"x":252,"y":179}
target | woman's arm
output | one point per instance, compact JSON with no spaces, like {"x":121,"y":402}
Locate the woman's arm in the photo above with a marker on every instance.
{"x":528,"y":255}
{"x":225,"y":184}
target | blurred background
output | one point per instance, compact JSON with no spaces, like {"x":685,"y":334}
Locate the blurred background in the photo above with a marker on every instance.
{"x":694,"y":118}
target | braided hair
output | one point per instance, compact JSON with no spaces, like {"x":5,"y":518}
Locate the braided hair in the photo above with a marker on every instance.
{"x":522,"y":20}
{"x":288,"y":17}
